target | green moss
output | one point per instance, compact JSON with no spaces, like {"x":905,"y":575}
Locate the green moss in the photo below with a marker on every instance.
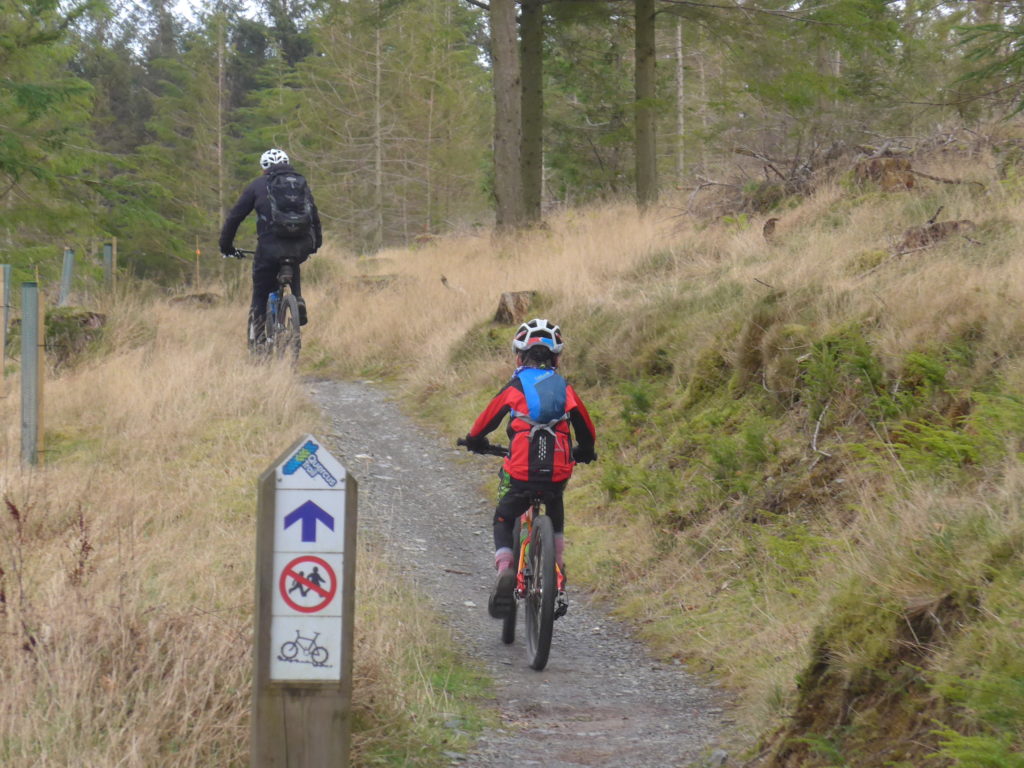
{"x":709,"y":375}
{"x":483,"y":341}
{"x":865,"y":261}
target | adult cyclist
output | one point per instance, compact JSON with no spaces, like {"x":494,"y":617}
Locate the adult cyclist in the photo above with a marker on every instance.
{"x":271,"y":245}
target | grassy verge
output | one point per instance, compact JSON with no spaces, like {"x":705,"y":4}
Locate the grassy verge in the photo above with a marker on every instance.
{"x":126,"y":563}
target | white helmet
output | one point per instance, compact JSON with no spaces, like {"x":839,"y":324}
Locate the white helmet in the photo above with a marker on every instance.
{"x":538,"y":331}
{"x":272,"y":157}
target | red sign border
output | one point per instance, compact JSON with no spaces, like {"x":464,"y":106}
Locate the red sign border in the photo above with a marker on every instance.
{"x":284,"y":591}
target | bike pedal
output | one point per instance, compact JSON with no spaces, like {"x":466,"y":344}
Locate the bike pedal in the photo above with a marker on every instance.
{"x":561,"y":605}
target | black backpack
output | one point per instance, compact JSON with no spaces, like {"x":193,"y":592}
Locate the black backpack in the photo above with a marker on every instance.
{"x":291,"y":206}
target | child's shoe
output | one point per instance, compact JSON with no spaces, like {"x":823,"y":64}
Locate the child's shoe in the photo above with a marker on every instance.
{"x":499,"y":604}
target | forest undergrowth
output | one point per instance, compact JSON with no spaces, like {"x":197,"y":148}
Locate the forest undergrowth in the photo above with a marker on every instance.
{"x":810,"y":443}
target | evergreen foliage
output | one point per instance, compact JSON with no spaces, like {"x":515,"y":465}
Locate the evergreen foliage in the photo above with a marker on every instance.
{"x":386,"y":106}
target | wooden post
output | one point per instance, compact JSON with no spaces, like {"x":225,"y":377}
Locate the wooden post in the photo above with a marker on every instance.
{"x":33,"y":333}
{"x":305,"y":600}
{"x":5,"y":314}
{"x":65,"y":278}
{"x":196,"y":284}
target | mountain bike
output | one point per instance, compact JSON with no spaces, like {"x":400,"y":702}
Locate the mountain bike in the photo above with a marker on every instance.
{"x":278,"y":335}
{"x":540,"y":583}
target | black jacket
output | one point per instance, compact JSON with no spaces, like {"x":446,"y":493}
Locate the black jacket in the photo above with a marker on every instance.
{"x":254,"y":197}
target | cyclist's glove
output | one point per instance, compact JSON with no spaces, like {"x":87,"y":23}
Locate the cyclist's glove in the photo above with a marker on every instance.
{"x":583,"y":455}
{"x":478,"y":444}
{"x":233,"y":254}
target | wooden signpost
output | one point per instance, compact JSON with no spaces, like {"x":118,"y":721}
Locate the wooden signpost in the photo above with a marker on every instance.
{"x":305,"y":598}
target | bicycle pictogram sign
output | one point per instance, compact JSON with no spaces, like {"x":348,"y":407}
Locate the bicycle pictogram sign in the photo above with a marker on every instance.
{"x":307,"y":584}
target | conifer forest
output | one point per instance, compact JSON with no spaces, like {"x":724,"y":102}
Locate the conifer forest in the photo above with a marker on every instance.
{"x":143,"y":120}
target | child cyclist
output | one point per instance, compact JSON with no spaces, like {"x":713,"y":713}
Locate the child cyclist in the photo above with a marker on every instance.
{"x":542,"y":406}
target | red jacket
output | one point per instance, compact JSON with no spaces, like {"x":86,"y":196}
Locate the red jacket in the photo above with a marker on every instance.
{"x":548,"y":455}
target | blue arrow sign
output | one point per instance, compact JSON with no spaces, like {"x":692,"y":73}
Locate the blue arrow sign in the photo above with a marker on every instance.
{"x":308,"y":514}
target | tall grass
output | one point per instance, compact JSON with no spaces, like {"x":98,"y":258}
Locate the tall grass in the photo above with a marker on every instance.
{"x":127,"y":561}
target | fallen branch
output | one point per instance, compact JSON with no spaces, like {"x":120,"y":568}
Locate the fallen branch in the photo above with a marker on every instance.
{"x":894,"y":256}
{"x":817,"y":428}
{"x":768,"y":162}
{"x":944,"y":181}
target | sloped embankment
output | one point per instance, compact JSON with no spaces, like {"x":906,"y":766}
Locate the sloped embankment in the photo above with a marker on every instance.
{"x":809,"y":444}
{"x":817,"y":464}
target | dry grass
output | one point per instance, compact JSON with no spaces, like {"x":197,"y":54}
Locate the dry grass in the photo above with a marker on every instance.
{"x":127,"y":561}
{"x":410,"y":321}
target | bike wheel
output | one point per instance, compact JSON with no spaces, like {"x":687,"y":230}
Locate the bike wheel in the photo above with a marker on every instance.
{"x":289,"y":338}
{"x":319,"y":656}
{"x":540,"y":592}
{"x":508,"y":624}
{"x":289,"y":650}
{"x":256,"y":337}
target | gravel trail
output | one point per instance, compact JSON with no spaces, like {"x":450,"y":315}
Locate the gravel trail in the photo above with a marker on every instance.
{"x":602,"y":701}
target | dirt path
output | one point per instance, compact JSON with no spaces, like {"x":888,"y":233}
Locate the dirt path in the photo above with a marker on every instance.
{"x":601,"y":701}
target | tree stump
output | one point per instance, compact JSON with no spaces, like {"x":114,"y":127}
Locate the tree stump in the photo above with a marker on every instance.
{"x":891,"y":173}
{"x":512,"y":307}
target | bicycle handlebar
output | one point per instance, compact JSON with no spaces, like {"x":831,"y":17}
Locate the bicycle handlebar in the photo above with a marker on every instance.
{"x":239,"y":253}
{"x":490,"y":450}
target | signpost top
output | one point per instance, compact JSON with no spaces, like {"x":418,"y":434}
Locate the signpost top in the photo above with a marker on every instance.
{"x":307,"y":465}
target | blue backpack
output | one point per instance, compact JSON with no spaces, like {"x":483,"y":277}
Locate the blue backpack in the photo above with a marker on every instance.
{"x":546,"y":398}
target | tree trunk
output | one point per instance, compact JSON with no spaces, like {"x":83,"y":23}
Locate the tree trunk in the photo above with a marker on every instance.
{"x":532,"y":33}
{"x":221,"y":91}
{"x":508,"y":105}
{"x":646,"y":145}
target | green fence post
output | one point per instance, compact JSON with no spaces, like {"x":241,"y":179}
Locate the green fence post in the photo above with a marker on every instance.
{"x":5,"y":314}
{"x":32,"y":351}
{"x":66,"y":275}
{"x":108,"y":265}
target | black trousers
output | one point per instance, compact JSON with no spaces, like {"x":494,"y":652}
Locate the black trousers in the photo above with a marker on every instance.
{"x":265,"y":266}
{"x":516,"y":500}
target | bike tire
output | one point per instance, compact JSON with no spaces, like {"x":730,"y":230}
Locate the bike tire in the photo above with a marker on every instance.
{"x":540,"y":592}
{"x":255,"y":336}
{"x":270,"y":329}
{"x":289,"y":339}
{"x":508,"y":624}
{"x":289,"y":650}
{"x":319,"y":656}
